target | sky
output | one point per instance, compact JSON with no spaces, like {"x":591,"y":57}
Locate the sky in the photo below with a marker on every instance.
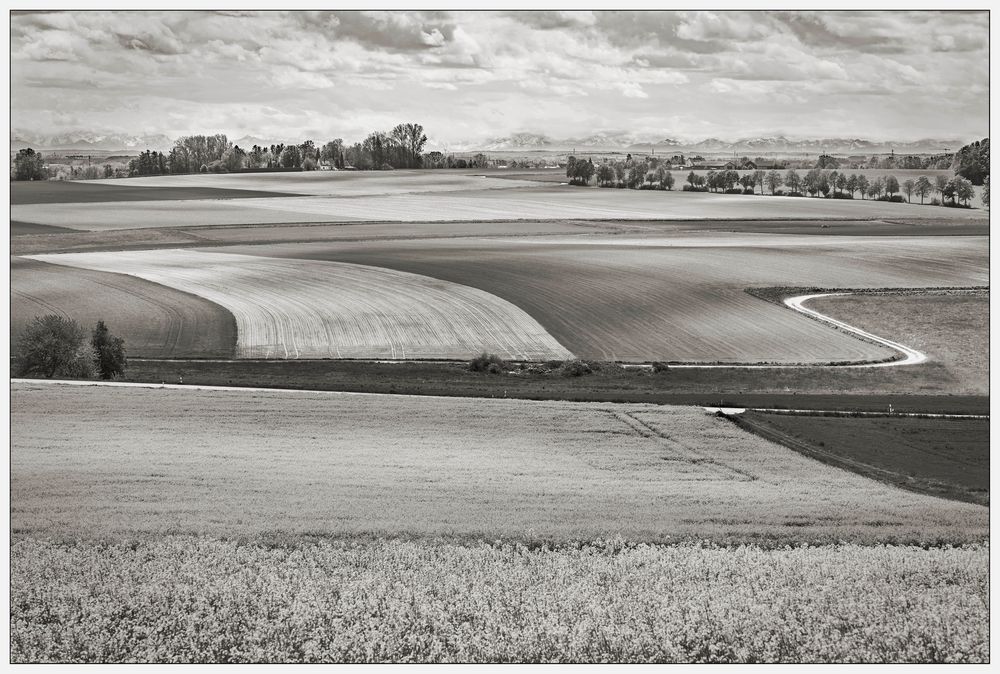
{"x":471,"y":76}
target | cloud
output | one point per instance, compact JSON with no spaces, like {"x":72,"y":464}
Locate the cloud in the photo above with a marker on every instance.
{"x":561,"y":73}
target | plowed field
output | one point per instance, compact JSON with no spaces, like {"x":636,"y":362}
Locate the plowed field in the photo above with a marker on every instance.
{"x":156,"y":321}
{"x":676,"y":298}
{"x":311,"y":309}
{"x":484,"y":204}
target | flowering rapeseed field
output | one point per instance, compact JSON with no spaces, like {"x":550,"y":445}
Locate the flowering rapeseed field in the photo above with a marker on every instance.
{"x":200,"y":599}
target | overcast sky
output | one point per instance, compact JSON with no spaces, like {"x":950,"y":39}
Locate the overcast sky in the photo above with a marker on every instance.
{"x":471,"y":76}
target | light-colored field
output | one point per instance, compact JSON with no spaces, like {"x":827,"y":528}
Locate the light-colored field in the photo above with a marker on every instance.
{"x":97,"y":461}
{"x":184,"y":599}
{"x":675,"y":295}
{"x":332,"y":183}
{"x":312,"y":309}
{"x":951,"y":329}
{"x":155,"y":321}
{"x":541,"y":202}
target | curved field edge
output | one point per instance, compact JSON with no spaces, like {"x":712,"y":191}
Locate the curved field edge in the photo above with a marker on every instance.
{"x":155,"y":320}
{"x":780,"y":294}
{"x":198,"y":599}
{"x":319,"y":309}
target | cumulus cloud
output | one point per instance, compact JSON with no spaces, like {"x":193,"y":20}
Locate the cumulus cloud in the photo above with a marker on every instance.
{"x":561,"y":73}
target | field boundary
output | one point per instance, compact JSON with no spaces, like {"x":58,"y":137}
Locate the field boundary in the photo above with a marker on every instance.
{"x":929,"y":487}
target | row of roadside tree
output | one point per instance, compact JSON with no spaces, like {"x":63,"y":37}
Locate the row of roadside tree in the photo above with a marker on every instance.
{"x":652,"y":174}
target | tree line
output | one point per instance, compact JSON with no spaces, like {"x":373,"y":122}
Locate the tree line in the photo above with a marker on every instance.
{"x":652,"y":173}
{"x":402,"y":147}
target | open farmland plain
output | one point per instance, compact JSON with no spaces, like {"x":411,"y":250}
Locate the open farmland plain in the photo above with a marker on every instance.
{"x":177,"y":524}
{"x":324,"y":463}
{"x":679,"y":296}
{"x":157,"y":321}
{"x":538,"y":202}
{"x":274,"y":504}
{"x":311,"y":309}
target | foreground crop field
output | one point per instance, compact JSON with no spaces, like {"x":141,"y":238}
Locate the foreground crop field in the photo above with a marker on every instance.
{"x":227,"y":463}
{"x":674,"y":295}
{"x":187,"y":599}
{"x":315,"y":309}
{"x":952,"y":329}
{"x":155,"y":321}
{"x":516,"y":203}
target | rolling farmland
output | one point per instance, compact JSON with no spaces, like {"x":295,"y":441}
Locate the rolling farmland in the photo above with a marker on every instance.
{"x":516,"y":203}
{"x":313,"y":309}
{"x":234,"y":463}
{"x":952,"y":329}
{"x":155,"y":320}
{"x":674,"y":297}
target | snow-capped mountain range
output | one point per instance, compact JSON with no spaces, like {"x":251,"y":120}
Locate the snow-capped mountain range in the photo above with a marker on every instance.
{"x":756,"y":145}
{"x":83,"y":141}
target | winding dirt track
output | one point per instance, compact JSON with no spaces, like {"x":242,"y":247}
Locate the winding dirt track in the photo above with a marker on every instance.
{"x":910,"y":356}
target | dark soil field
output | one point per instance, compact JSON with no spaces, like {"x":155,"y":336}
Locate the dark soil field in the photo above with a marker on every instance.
{"x":65,"y":192}
{"x":675,"y":297}
{"x":942,"y":457}
{"x":19,"y":228}
{"x":154,"y":320}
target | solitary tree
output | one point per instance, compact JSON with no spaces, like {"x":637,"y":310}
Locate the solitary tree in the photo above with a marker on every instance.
{"x":908,"y":186}
{"x":793,"y":181}
{"x":773,"y":180}
{"x":940,"y":184}
{"x":110,"y":352}
{"x":28,"y":165}
{"x":52,"y":345}
{"x":852,"y":184}
{"x":863,"y":186}
{"x":891,"y":185}
{"x":923,"y":188}
{"x":963,"y":190}
{"x":759,"y":176}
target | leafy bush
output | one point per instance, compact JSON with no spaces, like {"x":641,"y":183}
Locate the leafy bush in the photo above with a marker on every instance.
{"x":490,"y":363}
{"x":575,"y":368}
{"x":935,"y":202}
{"x":659,"y":366}
{"x":748,"y":190}
{"x":843,"y":195}
{"x":110,"y":352}
{"x":734,"y":190}
{"x":895,"y":198}
{"x":53,"y":345}
{"x":691,"y":188}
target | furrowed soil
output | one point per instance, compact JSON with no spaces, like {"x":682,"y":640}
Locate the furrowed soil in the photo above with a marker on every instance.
{"x":513,"y":203}
{"x":154,"y":320}
{"x":674,"y":297}
{"x":943,"y":457}
{"x":311,"y":309}
{"x":79,"y":192}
